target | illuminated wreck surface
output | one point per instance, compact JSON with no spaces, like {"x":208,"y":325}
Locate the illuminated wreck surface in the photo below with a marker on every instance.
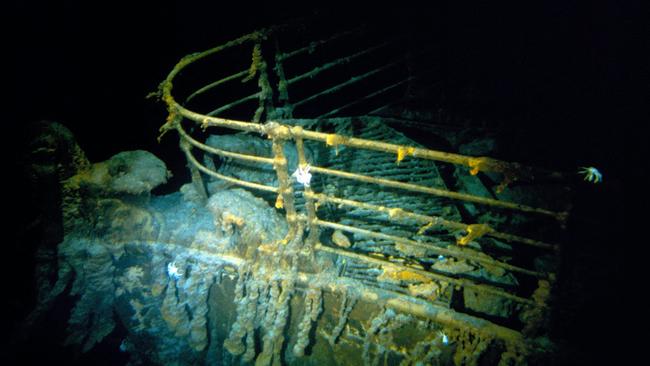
{"x":324,"y":235}
{"x":229,"y":278}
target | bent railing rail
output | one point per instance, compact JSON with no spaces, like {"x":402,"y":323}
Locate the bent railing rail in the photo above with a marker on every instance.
{"x":275,"y":109}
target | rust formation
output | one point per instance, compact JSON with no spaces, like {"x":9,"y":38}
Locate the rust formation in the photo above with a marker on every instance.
{"x":315,"y":229}
{"x":401,"y":277}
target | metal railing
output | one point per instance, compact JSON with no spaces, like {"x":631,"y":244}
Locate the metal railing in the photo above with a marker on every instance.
{"x":309,"y":217}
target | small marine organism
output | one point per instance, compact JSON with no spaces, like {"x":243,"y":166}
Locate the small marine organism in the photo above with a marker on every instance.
{"x":443,"y":337}
{"x":591,"y":174}
{"x":302,"y":175}
{"x":172,"y":271}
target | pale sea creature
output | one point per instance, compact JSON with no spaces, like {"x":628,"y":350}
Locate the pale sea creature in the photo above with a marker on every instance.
{"x":302,"y":175}
{"x":443,"y":337}
{"x":172,"y":271}
{"x":591,"y":174}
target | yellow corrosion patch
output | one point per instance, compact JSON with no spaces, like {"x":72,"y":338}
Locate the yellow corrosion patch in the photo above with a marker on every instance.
{"x":403,"y":152}
{"x":255,"y":63}
{"x":279,"y":201}
{"x":426,"y":227}
{"x":474,"y":231}
{"x":394,"y":274}
{"x":476,"y":164}
{"x":230,"y":219}
{"x":411,"y":250}
{"x":334,"y":140}
{"x":268,"y":248}
{"x":395,"y":213}
{"x":430,"y":290}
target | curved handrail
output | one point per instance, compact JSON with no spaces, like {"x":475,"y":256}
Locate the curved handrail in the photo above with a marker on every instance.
{"x":280,"y":133}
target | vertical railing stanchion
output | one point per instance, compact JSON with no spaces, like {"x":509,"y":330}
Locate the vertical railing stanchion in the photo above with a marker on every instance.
{"x":314,"y":230}
{"x":258,"y":66}
{"x":402,"y":271}
{"x":197,"y":180}
{"x":278,"y":134}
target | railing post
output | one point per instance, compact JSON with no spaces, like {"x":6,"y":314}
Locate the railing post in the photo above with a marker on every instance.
{"x":279,"y":134}
{"x":258,"y":65}
{"x":197,"y":180}
{"x":286,"y":109}
{"x":314,"y":229}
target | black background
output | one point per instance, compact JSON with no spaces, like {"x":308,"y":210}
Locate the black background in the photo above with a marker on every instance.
{"x":555,"y":72}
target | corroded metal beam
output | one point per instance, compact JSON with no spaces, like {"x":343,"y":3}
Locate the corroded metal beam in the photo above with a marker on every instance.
{"x":285,"y":188}
{"x":342,"y":60}
{"x":351,"y":81}
{"x":427,"y":219}
{"x":308,"y":193}
{"x":313,"y":45}
{"x":411,"y":305}
{"x":237,"y":102}
{"x":433,"y":248}
{"x":214,"y":84}
{"x":434,"y":276}
{"x":334,"y":140}
{"x":366,"y":97}
{"x":224,"y":153}
{"x":236,"y":181}
{"x":340,"y":285}
{"x":435,"y":191}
